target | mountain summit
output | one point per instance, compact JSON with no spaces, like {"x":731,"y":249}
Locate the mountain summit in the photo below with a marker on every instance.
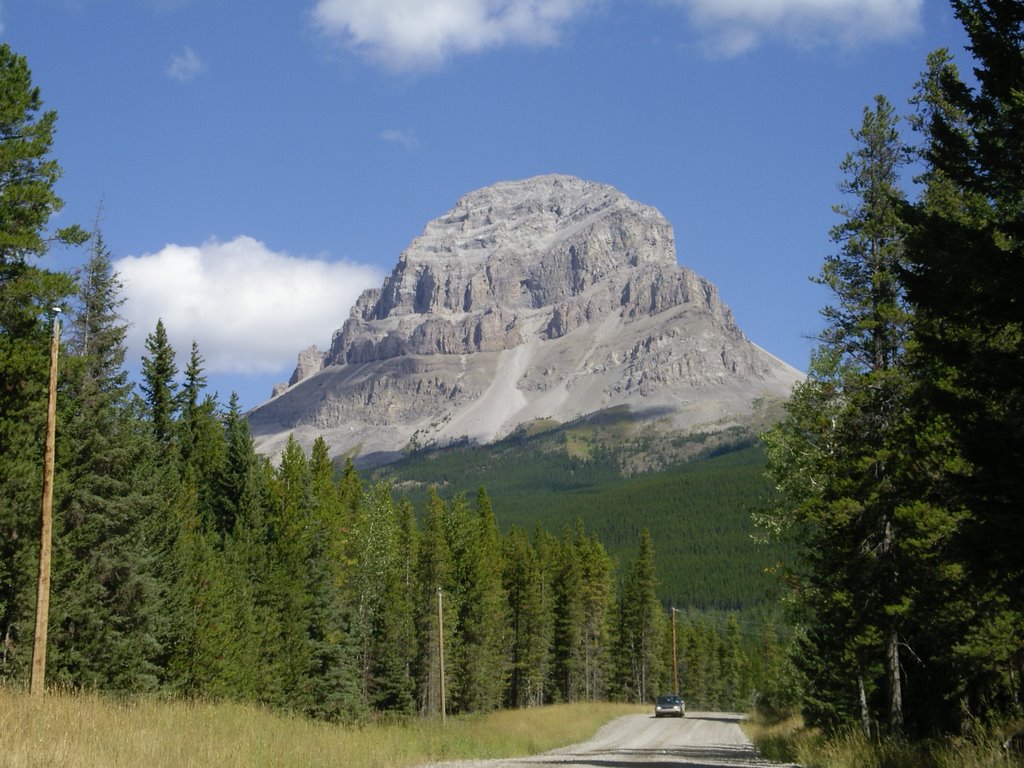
{"x":547,"y":298}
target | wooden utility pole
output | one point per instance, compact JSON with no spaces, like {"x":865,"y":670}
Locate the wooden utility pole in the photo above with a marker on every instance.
{"x":37,"y":683}
{"x":675,"y":665}
{"x":440,"y":647}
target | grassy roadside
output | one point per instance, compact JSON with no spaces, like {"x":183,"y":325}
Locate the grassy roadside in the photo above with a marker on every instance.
{"x":92,"y":731}
{"x":789,"y":741}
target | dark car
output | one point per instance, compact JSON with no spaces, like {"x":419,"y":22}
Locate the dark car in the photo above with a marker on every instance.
{"x":669,"y":706}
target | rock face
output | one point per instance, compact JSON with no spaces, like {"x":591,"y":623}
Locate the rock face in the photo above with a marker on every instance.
{"x":550,"y":297}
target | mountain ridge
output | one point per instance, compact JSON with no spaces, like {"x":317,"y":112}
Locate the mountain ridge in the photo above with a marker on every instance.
{"x":544,"y":298}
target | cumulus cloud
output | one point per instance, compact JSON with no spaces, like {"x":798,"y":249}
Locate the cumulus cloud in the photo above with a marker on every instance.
{"x":185,"y":66}
{"x":250,"y":309}
{"x":408,"y":34}
{"x":733,"y":27}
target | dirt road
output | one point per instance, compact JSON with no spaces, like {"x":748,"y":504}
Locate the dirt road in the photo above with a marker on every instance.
{"x":700,"y":740}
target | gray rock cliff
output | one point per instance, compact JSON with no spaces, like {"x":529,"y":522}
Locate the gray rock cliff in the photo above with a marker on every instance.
{"x":550,"y":297}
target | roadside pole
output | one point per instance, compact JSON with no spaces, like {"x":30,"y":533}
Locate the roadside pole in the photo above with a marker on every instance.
{"x":675,"y":664}
{"x":37,"y":683}
{"x":440,"y":647}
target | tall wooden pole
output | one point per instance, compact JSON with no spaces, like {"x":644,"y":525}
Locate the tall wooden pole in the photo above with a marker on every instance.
{"x":440,"y":648}
{"x":37,"y":683}
{"x":675,"y":665}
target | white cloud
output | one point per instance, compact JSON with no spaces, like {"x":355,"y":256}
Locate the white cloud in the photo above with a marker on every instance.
{"x":407,"y":34}
{"x":736,"y":26}
{"x":406,"y":138}
{"x":249,"y":309}
{"x":185,"y":66}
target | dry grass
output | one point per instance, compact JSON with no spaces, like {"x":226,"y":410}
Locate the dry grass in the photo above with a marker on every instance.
{"x":92,"y":731}
{"x":788,"y":740}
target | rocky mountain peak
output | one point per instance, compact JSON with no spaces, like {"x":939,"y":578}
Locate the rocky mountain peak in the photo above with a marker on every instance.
{"x":547,"y":297}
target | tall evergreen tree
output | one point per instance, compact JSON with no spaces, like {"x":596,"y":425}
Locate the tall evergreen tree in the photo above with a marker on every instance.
{"x":598,"y":608}
{"x":27,"y":194}
{"x":965,"y":270}
{"x":205,"y":646}
{"x":384,"y":593}
{"x":247,"y":557}
{"x":235,"y":482}
{"x":525,"y":581}
{"x":158,"y":383}
{"x":435,"y":579}
{"x":289,"y":534}
{"x":641,"y":628}
{"x":28,"y":176}
{"x":567,"y":681}
{"x":842,"y":509}
{"x":484,"y":615}
{"x":333,"y":675}
{"x":104,"y":593}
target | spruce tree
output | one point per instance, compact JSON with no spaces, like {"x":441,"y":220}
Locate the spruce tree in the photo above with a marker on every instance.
{"x":639,"y":658}
{"x":158,"y":383}
{"x":527,"y":583}
{"x":335,"y":690}
{"x":598,"y":608}
{"x":233,"y":484}
{"x":288,"y":524}
{"x":965,"y":255}
{"x":394,"y":671}
{"x":849,"y":496}
{"x":435,"y":579}
{"x":28,"y":176}
{"x":247,"y":556}
{"x":104,"y":588}
{"x":567,"y":681}
{"x":206,"y":645}
{"x":484,"y":619}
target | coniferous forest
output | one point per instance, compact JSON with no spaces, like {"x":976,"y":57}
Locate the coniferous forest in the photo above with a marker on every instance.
{"x":900,"y":463}
{"x":186,"y":564}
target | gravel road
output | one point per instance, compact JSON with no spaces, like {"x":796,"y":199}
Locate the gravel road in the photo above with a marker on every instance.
{"x":700,"y":740}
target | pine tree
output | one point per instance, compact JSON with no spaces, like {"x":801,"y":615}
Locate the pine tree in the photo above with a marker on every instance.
{"x":435,"y":579}
{"x":849,"y":490}
{"x":203,"y":660}
{"x":523,"y":582}
{"x":641,"y":628}
{"x":158,"y":385}
{"x":334,"y":680}
{"x":460,"y":536}
{"x":288,"y":524}
{"x":965,"y":270}
{"x":598,"y":606}
{"x":104,"y":588}
{"x":484,"y":617}
{"x":734,"y":671}
{"x":247,"y":557}
{"x":383,"y":591}
{"x":28,"y":177}
{"x":568,"y":660}
{"x":234,"y":482}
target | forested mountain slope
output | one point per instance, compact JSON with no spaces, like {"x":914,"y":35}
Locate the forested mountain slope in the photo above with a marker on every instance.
{"x":698,"y":509}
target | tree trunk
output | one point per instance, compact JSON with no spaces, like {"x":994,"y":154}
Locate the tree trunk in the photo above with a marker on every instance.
{"x":865,"y":714}
{"x":892,"y":669}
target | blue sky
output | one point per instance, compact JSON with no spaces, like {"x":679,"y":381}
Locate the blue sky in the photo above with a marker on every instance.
{"x":260,"y":164}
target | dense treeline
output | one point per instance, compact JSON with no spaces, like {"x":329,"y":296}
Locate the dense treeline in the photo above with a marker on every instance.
{"x":900,"y":462}
{"x":188,"y":563}
{"x":707,"y":555}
